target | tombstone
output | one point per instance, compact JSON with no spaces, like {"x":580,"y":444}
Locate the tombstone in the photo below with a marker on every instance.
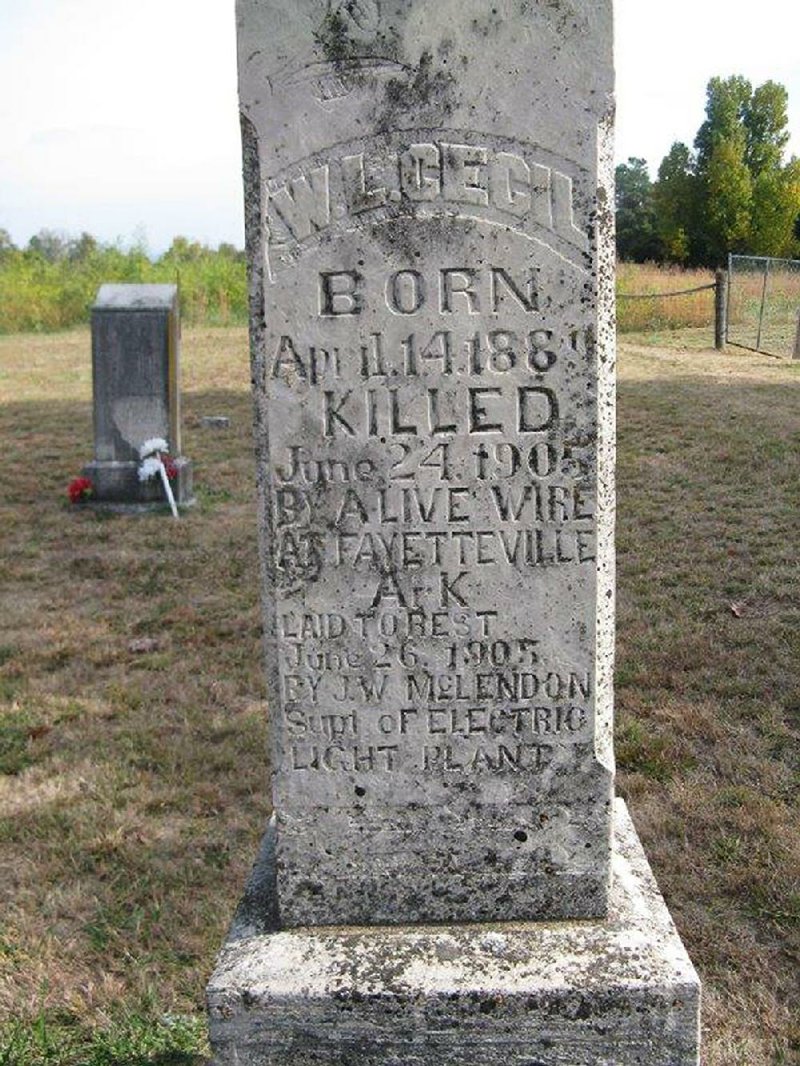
{"x":447,"y":877}
{"x":135,"y":375}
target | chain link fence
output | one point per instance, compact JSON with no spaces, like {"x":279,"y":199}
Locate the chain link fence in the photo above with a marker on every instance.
{"x":764,"y":305}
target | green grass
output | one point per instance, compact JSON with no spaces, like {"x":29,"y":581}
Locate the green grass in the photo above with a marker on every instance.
{"x":134,"y":785}
{"x":664,"y":314}
{"x":130,"y":1040}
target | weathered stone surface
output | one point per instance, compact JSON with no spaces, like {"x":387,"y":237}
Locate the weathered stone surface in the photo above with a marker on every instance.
{"x":428,"y":191}
{"x":431,"y":268}
{"x":135,"y":374}
{"x":613,"y":992}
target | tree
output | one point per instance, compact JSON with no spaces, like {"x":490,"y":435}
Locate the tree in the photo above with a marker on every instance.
{"x":728,"y":193}
{"x":727,"y":102}
{"x":776,"y":203}
{"x":50,"y":245}
{"x":765,"y":121}
{"x":637,"y":239}
{"x":724,"y":180}
{"x":182,"y":250}
{"x":7,"y":246}
{"x":82,"y":248}
{"x":674,"y":197}
{"x":230,"y":251}
{"x":734,"y":194}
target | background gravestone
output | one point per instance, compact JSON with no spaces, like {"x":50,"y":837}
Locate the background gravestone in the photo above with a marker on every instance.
{"x":431,"y":264}
{"x":135,"y":377}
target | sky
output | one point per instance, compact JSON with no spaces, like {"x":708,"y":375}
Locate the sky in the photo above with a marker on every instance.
{"x":120,"y":118}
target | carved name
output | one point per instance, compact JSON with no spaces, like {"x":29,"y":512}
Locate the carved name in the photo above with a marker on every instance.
{"x":472,"y":177}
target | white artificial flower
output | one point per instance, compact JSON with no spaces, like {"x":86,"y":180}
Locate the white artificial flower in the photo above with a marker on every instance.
{"x":149,"y":468}
{"x":155,"y":444}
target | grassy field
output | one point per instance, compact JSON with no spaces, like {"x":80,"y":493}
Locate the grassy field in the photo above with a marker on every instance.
{"x":134,"y":779}
{"x":693,"y":309}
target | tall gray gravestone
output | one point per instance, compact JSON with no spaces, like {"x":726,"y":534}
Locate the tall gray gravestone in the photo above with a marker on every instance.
{"x":430,"y":239}
{"x":135,"y":377}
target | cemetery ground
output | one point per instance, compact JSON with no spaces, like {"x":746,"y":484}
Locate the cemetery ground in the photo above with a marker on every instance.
{"x":132,"y":750}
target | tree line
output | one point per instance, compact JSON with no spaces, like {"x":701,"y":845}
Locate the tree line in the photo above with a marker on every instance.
{"x":51,"y":283}
{"x":732,"y":192}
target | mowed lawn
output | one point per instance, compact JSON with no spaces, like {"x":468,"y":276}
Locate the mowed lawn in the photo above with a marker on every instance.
{"x":132,"y":751}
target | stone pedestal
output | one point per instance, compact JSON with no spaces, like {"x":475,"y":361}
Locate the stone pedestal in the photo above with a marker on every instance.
{"x":614,"y":992}
{"x":135,"y":376}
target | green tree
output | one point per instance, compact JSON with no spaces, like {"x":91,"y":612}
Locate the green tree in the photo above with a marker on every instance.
{"x":230,"y":251}
{"x":49,"y":245}
{"x":734,"y":194}
{"x":637,"y":239}
{"x":765,"y":121}
{"x":674,"y":197}
{"x":728,"y":194}
{"x":727,"y":104}
{"x":7,"y":246}
{"x":182,"y":250}
{"x":82,"y":248}
{"x":775,"y":210}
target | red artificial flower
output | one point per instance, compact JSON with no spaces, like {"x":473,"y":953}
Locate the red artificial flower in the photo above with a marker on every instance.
{"x":170,"y":466}
{"x":80,"y":488}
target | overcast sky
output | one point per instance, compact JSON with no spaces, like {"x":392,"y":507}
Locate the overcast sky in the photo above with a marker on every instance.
{"x":120,"y":117}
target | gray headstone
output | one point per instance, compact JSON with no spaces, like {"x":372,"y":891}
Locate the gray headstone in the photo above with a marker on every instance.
{"x":430,"y":241}
{"x":433,"y":381}
{"x":135,"y":374}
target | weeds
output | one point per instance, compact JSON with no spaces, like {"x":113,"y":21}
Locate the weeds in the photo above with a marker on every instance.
{"x":663,"y":313}
{"x":44,"y":294}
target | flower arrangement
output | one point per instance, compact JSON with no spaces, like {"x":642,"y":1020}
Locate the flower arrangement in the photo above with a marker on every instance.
{"x":80,"y":489}
{"x":156,"y":462}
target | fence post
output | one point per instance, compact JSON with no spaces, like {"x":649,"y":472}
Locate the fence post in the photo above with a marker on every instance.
{"x":796,"y":354}
{"x":763,"y":304}
{"x":720,"y":310}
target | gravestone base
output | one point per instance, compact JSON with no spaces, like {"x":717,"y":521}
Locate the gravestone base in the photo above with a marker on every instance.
{"x":117,"y":487}
{"x":616,"y":992}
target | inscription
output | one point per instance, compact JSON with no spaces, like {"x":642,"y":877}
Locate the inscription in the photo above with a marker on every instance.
{"x":468,"y":739}
{"x":438,"y":452}
{"x":444,"y":353}
{"x":476,"y":179}
{"x":452,"y":290}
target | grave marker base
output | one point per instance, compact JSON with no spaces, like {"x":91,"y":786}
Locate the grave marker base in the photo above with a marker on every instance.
{"x":615,"y":992}
{"x":117,"y":487}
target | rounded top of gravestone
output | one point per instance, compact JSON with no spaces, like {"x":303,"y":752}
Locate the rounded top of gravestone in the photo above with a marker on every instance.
{"x":135,"y":297}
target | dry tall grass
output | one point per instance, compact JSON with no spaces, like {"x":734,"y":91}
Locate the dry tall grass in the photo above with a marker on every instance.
{"x":134,"y":721}
{"x":764,"y":305}
{"x":659,"y":313}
